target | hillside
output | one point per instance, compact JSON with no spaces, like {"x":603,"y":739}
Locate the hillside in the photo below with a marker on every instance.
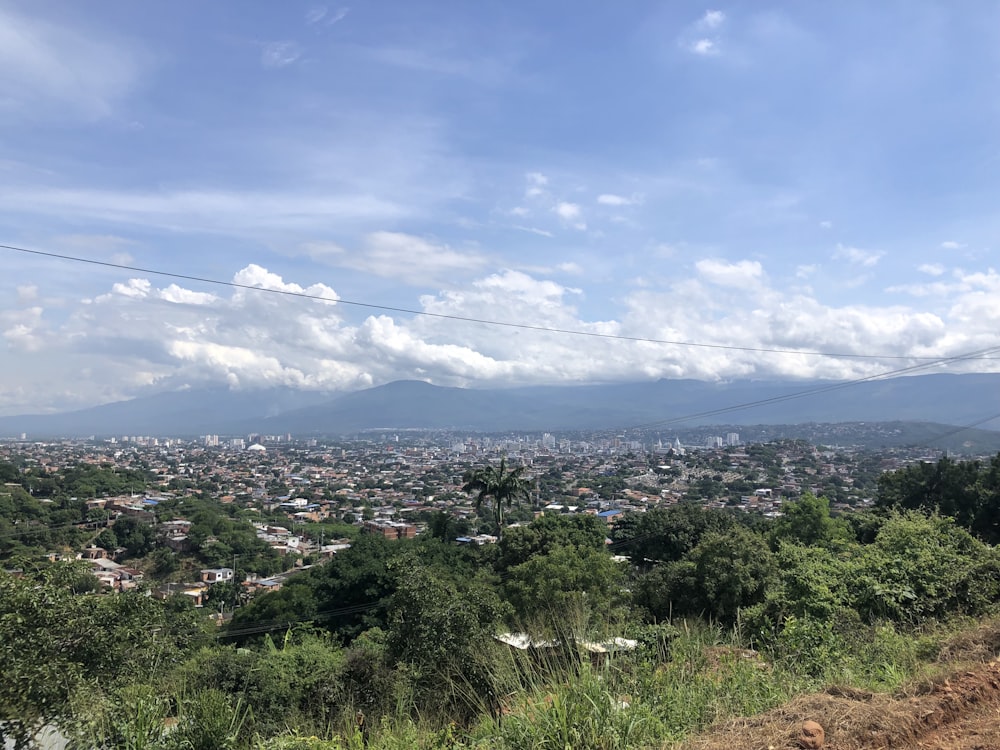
{"x":669,"y":404}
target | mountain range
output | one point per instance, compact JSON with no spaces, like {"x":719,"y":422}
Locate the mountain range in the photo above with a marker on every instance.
{"x":944,"y":398}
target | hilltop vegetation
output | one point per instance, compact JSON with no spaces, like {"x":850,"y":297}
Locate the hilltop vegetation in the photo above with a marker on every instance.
{"x":393,"y":643}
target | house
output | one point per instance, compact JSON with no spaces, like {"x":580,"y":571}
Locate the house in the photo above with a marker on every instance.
{"x":216,"y":575}
{"x":391,"y":529}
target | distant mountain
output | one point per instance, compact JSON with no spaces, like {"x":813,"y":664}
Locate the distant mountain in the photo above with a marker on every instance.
{"x":943,"y":399}
{"x":182,"y":413}
{"x":947,"y":399}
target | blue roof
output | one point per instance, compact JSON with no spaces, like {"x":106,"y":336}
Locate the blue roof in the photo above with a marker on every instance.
{"x":609,"y":513}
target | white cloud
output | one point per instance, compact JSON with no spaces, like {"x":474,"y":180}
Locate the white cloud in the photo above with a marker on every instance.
{"x":951,"y":245}
{"x":338,"y":15}
{"x":49,"y":70}
{"x":567,"y":211}
{"x":826,"y":225}
{"x":402,"y":257}
{"x":533,"y":230}
{"x":206,"y":210}
{"x":24,"y":329}
{"x":740,"y":274}
{"x":610,"y":199}
{"x":712,"y":19}
{"x":931,"y":269}
{"x":805,"y":271}
{"x":537,"y":183}
{"x":857,"y":256}
{"x":27,"y":293}
{"x":703,"y":36}
{"x":316,"y":14}
{"x":279,"y":54}
{"x":571,"y":213}
{"x":705,"y":47}
{"x":140,"y":335}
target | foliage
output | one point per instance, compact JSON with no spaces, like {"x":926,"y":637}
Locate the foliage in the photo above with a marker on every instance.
{"x":503,"y":485}
{"x":55,"y":641}
{"x":808,"y":522}
{"x":668,"y":534}
{"x":545,"y":534}
{"x":723,"y":574}
{"x":967,"y":491}
{"x":444,"y":629}
{"x":565,"y":587}
{"x":923,"y":567}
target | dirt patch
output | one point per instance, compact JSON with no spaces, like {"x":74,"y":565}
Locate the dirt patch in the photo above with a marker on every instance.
{"x":961,"y":712}
{"x":981,"y":644}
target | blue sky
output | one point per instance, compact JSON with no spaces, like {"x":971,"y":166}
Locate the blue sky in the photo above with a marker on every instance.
{"x":804,"y":176}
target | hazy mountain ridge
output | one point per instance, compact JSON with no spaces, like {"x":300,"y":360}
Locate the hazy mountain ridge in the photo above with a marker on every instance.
{"x":943,"y":399}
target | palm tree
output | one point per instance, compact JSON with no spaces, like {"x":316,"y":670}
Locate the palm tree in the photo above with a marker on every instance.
{"x":502,"y":484}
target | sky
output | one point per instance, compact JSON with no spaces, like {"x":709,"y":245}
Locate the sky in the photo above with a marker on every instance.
{"x":795,"y":176}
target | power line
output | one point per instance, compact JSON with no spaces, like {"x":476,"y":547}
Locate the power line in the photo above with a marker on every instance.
{"x":459,"y":318}
{"x":978,"y":354}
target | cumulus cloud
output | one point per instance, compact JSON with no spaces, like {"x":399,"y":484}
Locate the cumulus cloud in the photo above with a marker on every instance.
{"x":140,"y":334}
{"x":740,"y":274}
{"x":857,"y":256}
{"x":570,"y":213}
{"x":951,"y":245}
{"x":567,"y":211}
{"x":931,"y":269}
{"x":703,"y":36}
{"x":537,"y":183}
{"x":23,"y":330}
{"x":27,"y":293}
{"x":704,"y":47}
{"x":712,"y":19}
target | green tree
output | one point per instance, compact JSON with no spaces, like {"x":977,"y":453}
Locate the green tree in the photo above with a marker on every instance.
{"x":724,"y":573}
{"x":135,"y":536}
{"x":668,"y":534}
{"x":444,"y":629}
{"x":808,"y":522}
{"x":503,"y":485}
{"x":566,"y":588}
{"x":923,"y":567}
{"x":548,"y":532}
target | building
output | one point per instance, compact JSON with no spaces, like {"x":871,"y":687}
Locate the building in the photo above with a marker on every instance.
{"x":390,"y":529}
{"x":217,"y":575}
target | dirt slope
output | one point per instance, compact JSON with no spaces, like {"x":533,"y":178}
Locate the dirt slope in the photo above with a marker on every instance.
{"x":960,"y":712}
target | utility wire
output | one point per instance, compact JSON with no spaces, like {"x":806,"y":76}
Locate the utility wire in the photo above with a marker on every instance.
{"x":978,"y":354}
{"x":460,"y":318}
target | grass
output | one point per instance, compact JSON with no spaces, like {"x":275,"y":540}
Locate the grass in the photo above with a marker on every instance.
{"x":653,"y":698}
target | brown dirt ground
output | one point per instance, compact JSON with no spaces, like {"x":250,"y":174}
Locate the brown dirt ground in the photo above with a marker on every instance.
{"x":959,"y":710}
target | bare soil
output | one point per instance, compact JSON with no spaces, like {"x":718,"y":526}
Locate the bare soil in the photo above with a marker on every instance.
{"x":959,"y":710}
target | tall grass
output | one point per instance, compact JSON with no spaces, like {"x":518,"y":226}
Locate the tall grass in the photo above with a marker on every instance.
{"x":682,"y":679}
